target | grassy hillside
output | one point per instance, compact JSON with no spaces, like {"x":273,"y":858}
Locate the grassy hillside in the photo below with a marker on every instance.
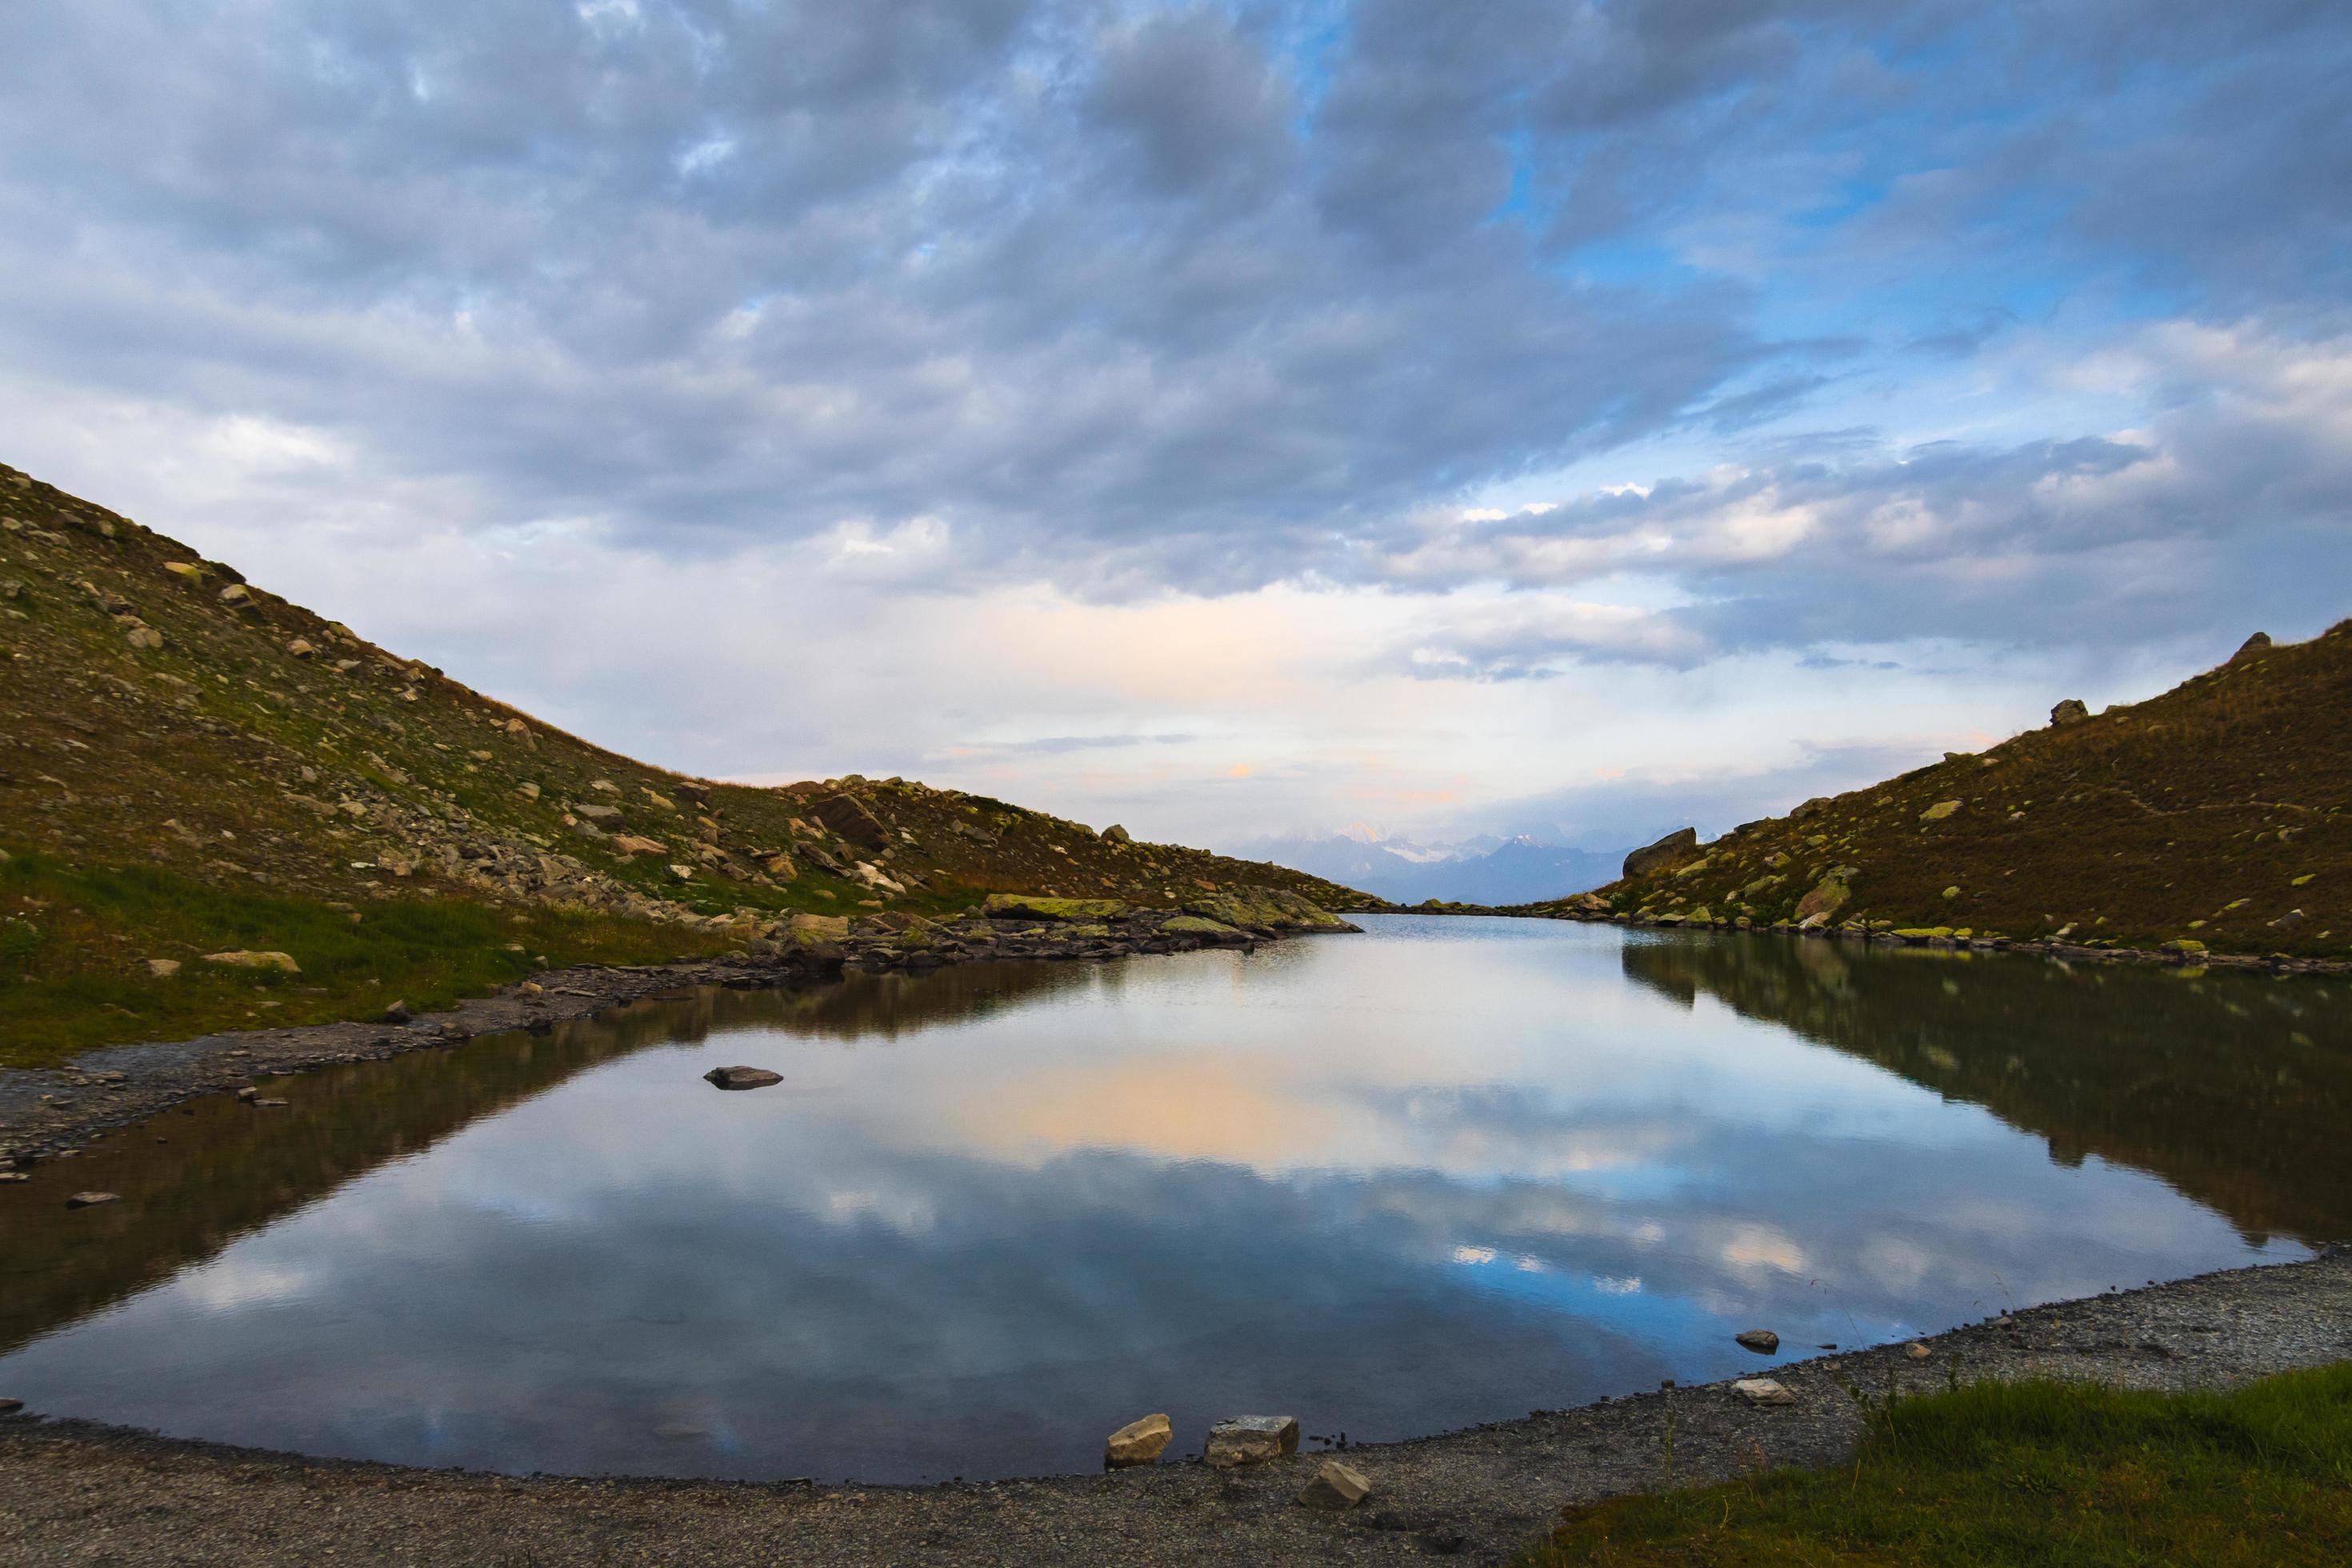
{"x":2214,"y":813}
{"x":191,"y":764}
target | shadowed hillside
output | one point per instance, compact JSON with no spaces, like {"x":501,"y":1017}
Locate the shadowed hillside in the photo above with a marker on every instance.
{"x":2238,"y":1100}
{"x":2212,"y":815}
{"x":191,"y":764}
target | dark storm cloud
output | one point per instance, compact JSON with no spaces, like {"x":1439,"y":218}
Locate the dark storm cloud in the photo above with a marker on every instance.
{"x":1152,"y":295}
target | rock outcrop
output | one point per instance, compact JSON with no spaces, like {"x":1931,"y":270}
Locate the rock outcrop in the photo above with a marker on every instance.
{"x":1677,"y":848}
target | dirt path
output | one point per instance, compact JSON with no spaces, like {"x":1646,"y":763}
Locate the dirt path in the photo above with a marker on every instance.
{"x":85,"y":1494}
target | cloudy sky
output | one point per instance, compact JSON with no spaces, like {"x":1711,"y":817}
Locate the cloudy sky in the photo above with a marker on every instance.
{"x":1230,"y":419}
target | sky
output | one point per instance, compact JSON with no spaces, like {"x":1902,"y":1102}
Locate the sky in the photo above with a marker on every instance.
{"x":1230,"y":420}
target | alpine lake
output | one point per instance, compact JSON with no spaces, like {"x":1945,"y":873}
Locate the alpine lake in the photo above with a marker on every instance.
{"x":1395,"y":1183}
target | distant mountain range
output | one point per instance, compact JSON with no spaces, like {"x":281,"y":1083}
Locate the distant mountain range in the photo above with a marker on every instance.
{"x":1477,"y":871}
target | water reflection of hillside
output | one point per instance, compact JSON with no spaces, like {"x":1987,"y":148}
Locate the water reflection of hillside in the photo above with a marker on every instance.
{"x":194,"y":1179}
{"x":2235,"y":1089}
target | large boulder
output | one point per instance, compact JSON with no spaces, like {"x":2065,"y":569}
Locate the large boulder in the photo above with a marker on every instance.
{"x":1251,"y":1440}
{"x":1115,"y":834}
{"x":848,"y":816}
{"x":1829,"y":895}
{"x":2071,"y":711}
{"x":1036,"y":907}
{"x":1137,"y":1443}
{"x":1673,"y":850}
{"x":1267,"y":910}
{"x":2257,"y":643}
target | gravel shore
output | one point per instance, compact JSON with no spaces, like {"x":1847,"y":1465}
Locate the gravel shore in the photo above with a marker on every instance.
{"x":70,"y":1492}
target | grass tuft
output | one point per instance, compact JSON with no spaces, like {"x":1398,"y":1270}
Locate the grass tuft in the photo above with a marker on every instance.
{"x":2032,"y":1472}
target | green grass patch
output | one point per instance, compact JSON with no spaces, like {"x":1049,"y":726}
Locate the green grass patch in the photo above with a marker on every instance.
{"x":74,"y":944}
{"x":2023,"y":1473}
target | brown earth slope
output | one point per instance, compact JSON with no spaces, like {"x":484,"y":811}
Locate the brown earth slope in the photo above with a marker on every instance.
{"x":189,"y":763}
{"x":2215,"y":813}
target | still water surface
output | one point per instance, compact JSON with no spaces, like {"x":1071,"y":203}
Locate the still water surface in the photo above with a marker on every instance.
{"x":1436,"y":1175}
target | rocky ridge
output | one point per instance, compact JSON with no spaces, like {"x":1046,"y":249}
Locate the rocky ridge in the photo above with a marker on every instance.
{"x":159,"y":711}
{"x":2209,"y":824}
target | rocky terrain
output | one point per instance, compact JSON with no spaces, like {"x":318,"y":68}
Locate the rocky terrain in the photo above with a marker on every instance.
{"x":186,"y":759}
{"x":2212,"y":822}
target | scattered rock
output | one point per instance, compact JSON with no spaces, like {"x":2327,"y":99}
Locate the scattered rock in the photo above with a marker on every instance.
{"x":1667,"y":852}
{"x":398,"y":1013}
{"x":1763,"y":1342}
{"x":637,"y":844}
{"x":267,"y":1103}
{"x":240,"y":959}
{"x":1940,"y":810}
{"x":742,"y":1078}
{"x":236,"y":594}
{"x":248,"y":1094}
{"x":1250,"y":1440}
{"x":2257,"y":643}
{"x":1137,"y":1443}
{"x":90,"y":1200}
{"x":301,"y":647}
{"x":163,"y":968}
{"x":1762,"y":1391}
{"x":10,"y":1407}
{"x":1917,"y":1351}
{"x":683,"y":873}
{"x":1336,"y":1487}
{"x":2071,"y":711}
{"x":1115,"y":834}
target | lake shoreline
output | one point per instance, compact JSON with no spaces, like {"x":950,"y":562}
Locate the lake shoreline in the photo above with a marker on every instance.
{"x":51,"y":1113}
{"x":1478,"y":1493}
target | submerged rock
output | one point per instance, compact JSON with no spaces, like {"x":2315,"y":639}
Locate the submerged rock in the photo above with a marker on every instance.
{"x":1137,"y":1443}
{"x":1250,"y":1440}
{"x":742,"y":1078}
{"x":90,"y":1200}
{"x":1336,"y":1487}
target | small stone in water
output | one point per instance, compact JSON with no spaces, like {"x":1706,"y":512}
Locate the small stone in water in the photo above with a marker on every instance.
{"x":1764,"y":1342}
{"x":89,"y":1200}
{"x":742,"y":1078}
{"x":1137,"y":1443}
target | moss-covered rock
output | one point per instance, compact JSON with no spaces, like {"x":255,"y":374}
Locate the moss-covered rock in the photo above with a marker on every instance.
{"x":1034,"y":907}
{"x":1194,"y":925}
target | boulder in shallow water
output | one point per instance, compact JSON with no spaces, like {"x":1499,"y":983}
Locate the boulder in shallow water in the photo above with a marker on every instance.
{"x":1137,"y":1443}
{"x":1251,"y":1440}
{"x":90,"y":1200}
{"x":742,"y":1078}
{"x":1763,"y":1342}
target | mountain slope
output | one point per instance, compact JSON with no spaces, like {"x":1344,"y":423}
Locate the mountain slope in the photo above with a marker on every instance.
{"x":189,"y":763}
{"x":2215,"y":813}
